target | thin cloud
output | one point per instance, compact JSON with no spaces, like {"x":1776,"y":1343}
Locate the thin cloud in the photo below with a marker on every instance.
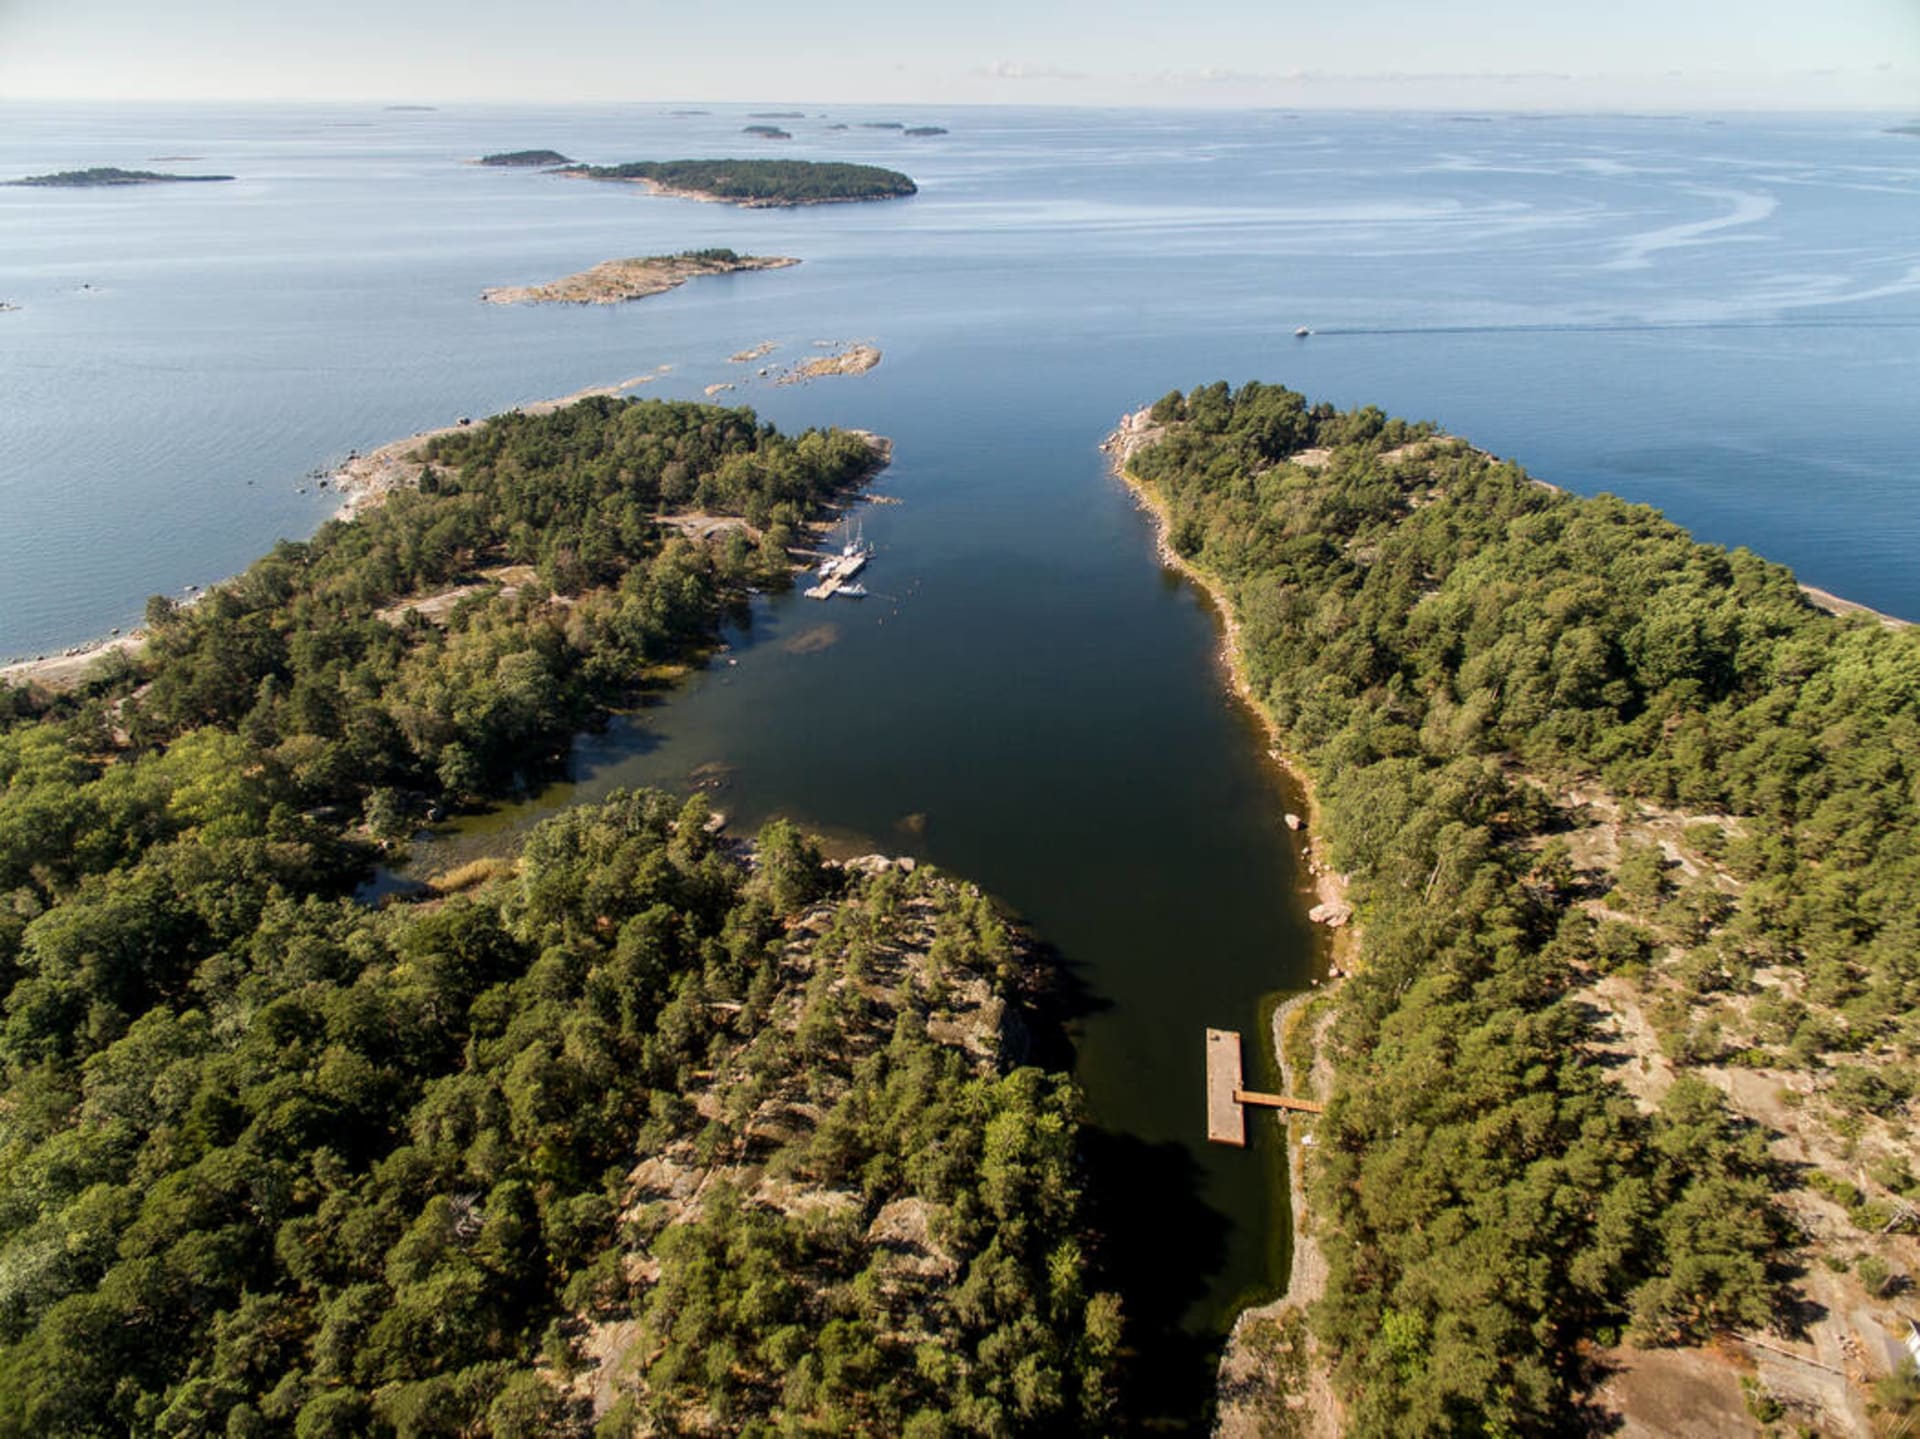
{"x":1220,"y":75}
{"x":1017,"y":70}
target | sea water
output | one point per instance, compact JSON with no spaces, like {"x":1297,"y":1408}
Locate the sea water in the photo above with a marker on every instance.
{"x":1719,"y":315}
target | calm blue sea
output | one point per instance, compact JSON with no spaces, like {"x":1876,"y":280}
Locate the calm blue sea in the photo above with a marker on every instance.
{"x":1717,"y":315}
{"x":1720,"y":316}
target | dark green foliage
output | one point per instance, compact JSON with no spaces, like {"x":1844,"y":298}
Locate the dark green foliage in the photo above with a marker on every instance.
{"x":765,"y":182}
{"x":328,"y":1170}
{"x":110,"y":175}
{"x":274,"y":1163}
{"x":526,"y":157}
{"x":345,"y":704}
{"x":1423,"y":624}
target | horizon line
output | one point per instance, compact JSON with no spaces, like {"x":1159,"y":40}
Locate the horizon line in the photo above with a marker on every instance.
{"x":420,"y":102}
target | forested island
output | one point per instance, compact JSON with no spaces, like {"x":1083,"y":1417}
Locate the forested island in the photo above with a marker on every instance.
{"x":638,"y":1131}
{"x":1626,"y":1062}
{"x":314,"y":645}
{"x":514,"y":158}
{"x":754,"y":183}
{"x":102,"y":175}
{"x":767,"y":132}
{"x":614,"y":281}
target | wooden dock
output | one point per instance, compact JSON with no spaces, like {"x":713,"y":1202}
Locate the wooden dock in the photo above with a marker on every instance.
{"x":835,"y":573}
{"x":1227,"y":1097}
{"x":1226,"y":1120}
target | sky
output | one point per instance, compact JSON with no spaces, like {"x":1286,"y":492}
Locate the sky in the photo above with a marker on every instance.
{"x":1416,"y":54}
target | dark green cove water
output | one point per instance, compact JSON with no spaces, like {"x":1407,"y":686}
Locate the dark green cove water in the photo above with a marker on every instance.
{"x":1029,"y":700}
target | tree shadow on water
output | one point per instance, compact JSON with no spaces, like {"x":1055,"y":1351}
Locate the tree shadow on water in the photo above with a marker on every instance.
{"x":1159,"y":1243}
{"x":1055,"y":998}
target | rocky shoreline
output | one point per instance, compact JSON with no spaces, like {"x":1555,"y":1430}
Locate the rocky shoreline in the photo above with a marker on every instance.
{"x":1136,"y":432}
{"x":854,"y":360}
{"x":1247,"y":1363}
{"x":614,"y":282}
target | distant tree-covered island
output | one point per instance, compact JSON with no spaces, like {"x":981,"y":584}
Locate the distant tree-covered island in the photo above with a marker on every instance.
{"x":515,"y":158}
{"x":767,"y":132}
{"x":613,"y":281}
{"x":759,"y":183}
{"x":105,"y":175}
{"x":920,"y":131}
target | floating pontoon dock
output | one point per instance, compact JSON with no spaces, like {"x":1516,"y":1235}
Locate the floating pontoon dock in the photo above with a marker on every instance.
{"x":1227,"y":1098}
{"x":837,"y":571}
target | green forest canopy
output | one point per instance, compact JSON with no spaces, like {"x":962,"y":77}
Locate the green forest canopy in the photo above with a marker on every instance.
{"x":275,"y":1163}
{"x":770,"y":182}
{"x":1447,"y":644}
{"x":318,"y":1169}
{"x":526,"y":157}
{"x":111,"y":175}
{"x":312,"y":658}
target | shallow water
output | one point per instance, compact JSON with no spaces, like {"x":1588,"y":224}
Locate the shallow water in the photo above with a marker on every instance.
{"x":1721,"y":317}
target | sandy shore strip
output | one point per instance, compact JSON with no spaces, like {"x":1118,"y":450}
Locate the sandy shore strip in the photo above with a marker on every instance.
{"x":59,"y":673}
{"x":1834,"y":605}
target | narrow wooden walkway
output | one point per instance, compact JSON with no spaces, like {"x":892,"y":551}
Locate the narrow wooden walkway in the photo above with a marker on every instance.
{"x":1277,"y":1101}
{"x":1227,"y":1098}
